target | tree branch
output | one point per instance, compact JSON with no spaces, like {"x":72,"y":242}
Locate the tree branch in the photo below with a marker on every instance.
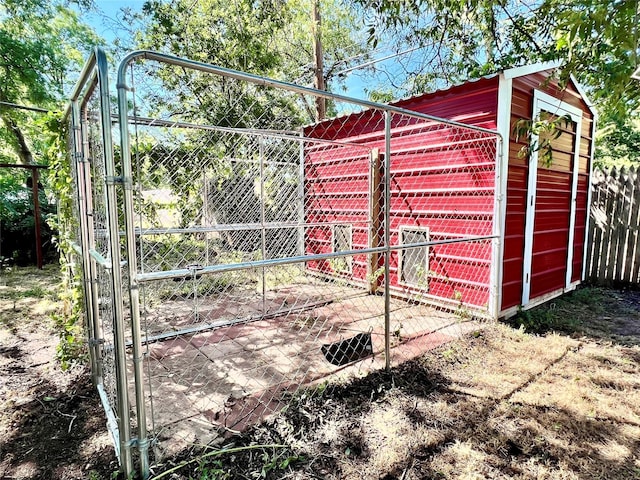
{"x":523,"y":31}
{"x":21,"y":147}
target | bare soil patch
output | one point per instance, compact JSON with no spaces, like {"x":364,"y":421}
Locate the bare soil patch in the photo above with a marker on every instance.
{"x":561,"y":402}
{"x":51,"y":422}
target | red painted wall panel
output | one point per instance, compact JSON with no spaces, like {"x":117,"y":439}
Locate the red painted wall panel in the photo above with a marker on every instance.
{"x":550,"y":246}
{"x":442,"y":178}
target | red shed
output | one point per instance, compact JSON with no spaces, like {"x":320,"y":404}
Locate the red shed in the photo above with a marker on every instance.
{"x":451,"y":188}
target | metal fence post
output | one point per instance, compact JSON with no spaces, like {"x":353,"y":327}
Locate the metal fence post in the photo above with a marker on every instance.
{"x":300,"y":199}
{"x":263,"y":232}
{"x":496,"y":243}
{"x":78,"y":163}
{"x":132,"y":264}
{"x":116,"y":274}
{"x":387,"y":239}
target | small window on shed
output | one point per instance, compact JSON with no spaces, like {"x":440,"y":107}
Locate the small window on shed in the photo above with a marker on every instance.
{"x":342,"y":242}
{"x":414,"y":261}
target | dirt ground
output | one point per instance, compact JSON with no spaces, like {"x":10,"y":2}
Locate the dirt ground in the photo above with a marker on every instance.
{"x":52,"y":425}
{"x":553,"y":395}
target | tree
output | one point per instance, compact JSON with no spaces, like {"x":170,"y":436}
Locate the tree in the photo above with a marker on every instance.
{"x":595,"y":40}
{"x":264,"y":37}
{"x":41,"y":42}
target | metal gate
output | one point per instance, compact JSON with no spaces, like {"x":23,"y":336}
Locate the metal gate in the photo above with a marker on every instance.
{"x":263,"y":252}
{"x":98,"y":244}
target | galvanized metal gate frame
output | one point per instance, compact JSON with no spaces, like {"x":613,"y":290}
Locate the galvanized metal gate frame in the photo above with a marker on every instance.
{"x":95,"y":75}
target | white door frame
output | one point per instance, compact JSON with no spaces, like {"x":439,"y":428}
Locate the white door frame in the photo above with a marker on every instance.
{"x":543,"y":101}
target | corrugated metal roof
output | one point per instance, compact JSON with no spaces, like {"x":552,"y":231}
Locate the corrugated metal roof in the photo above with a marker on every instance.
{"x":513,"y":72}
{"x":444,"y":89}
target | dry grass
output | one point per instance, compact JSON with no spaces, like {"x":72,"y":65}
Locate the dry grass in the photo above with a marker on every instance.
{"x":500,"y":404}
{"x":27,"y":295}
{"x":51,"y":422}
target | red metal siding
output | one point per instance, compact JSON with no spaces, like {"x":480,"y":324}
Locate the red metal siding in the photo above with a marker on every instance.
{"x":336,"y":193}
{"x":550,"y":231}
{"x":442,"y":178}
{"x":550,"y":244}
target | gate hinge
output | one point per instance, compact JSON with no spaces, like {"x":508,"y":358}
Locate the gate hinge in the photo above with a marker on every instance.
{"x":93,"y":342}
{"x":113,"y":180}
{"x":126,"y":181}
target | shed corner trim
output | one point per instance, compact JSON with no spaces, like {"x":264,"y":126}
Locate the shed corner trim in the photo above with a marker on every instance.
{"x":580,"y":89}
{"x":515,"y":72}
{"x":503,"y":123}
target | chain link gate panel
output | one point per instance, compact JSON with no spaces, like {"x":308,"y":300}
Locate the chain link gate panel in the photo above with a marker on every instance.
{"x":98,"y":244}
{"x":271,"y":256}
{"x":266,"y":252}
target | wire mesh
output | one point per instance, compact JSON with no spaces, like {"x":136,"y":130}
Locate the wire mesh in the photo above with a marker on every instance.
{"x":261,"y":239}
{"x":99,"y":235}
{"x":273,"y":253}
{"x":441,"y":224}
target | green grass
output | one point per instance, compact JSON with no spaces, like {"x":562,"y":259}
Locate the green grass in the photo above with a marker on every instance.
{"x":35,"y":292}
{"x":568,"y":313}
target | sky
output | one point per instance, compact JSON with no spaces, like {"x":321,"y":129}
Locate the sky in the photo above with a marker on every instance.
{"x":106,"y":21}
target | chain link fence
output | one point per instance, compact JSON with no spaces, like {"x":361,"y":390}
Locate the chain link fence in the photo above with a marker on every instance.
{"x":265,"y":252}
{"x":97,"y":243}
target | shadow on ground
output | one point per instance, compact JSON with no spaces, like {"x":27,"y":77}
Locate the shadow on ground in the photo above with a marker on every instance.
{"x":51,"y":422}
{"x":500,"y":403}
{"x":53,"y":433}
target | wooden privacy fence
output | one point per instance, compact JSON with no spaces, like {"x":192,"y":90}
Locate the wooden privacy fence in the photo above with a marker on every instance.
{"x":614,"y":243}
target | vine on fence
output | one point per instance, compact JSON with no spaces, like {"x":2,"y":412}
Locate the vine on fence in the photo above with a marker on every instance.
{"x":69,"y":320}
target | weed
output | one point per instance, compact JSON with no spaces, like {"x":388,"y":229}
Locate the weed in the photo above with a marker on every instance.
{"x":340,"y":265}
{"x":397,"y":333}
{"x":376,"y":276}
{"x":544,"y":319}
{"x":35,"y":292}
{"x":462,"y":311}
{"x":213,"y":471}
{"x":207,"y":285}
{"x":280,"y":275}
{"x":69,"y":323}
{"x":591,"y":296}
{"x":207,"y":459}
{"x":304,"y":394}
{"x":449,"y":354}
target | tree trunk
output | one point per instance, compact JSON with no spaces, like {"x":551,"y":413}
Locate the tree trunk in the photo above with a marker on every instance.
{"x":321,"y":105}
{"x":20,"y":145}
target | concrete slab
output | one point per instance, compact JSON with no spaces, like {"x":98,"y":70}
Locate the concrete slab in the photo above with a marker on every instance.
{"x":205,"y":383}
